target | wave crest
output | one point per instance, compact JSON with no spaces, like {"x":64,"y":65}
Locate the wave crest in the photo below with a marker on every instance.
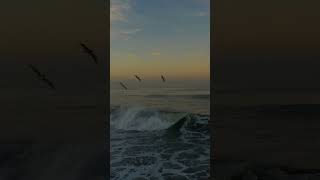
{"x":143,"y":119}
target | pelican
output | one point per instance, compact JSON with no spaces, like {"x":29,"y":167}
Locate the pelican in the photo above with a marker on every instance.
{"x":137,"y":77}
{"x":42,"y":76}
{"x":123,"y":85}
{"x":90,"y":52}
{"x":163,"y":78}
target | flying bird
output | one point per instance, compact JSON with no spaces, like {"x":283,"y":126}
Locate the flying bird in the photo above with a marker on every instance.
{"x":138,"y":77}
{"x":125,"y":87}
{"x":163,"y":78}
{"x":90,"y":52}
{"x":42,"y":76}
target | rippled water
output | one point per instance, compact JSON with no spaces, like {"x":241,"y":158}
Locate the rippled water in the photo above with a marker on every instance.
{"x":160,"y":133}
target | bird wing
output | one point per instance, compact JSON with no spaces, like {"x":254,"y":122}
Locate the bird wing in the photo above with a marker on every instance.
{"x":35,"y":70}
{"x":84,"y":47}
{"x":94,"y":57}
{"x":138,"y":77}
{"x":49,"y":83}
{"x":123,"y":86}
{"x":90,"y":52}
{"x":163,"y":79}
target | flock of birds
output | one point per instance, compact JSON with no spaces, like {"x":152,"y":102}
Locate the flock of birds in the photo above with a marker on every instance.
{"x":139,"y":79}
{"x":94,"y":57}
{"x":43,"y":77}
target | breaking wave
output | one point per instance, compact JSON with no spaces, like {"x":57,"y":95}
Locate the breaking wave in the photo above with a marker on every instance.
{"x":149,"y":143}
{"x":144,"y":119}
{"x":139,"y":118}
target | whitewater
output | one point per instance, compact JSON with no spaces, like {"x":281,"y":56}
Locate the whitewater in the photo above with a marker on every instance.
{"x":160,"y":133}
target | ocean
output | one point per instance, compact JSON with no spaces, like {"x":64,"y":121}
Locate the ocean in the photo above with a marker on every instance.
{"x":160,"y":130}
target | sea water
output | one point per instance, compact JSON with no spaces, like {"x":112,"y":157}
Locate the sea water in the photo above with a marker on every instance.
{"x":160,"y":130}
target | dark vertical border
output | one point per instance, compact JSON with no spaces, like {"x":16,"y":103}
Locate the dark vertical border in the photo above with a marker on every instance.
{"x":107,"y":91}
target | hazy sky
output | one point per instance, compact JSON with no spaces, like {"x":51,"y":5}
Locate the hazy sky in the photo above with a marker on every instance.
{"x":152,"y":37}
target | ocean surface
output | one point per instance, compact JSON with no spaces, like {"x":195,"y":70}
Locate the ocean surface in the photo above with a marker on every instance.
{"x":160,"y":130}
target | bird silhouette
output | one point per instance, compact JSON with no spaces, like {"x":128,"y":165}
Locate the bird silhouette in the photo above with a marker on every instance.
{"x":138,"y":77}
{"x":41,"y":76}
{"x":90,"y":52}
{"x":125,"y":87}
{"x":163,"y":78}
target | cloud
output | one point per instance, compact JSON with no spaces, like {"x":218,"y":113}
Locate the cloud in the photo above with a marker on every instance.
{"x":119,"y":10}
{"x":130,"y":31}
{"x":119,"y":13}
{"x":125,"y":34}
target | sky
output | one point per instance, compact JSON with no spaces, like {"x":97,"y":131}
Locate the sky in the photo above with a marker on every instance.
{"x":152,"y":37}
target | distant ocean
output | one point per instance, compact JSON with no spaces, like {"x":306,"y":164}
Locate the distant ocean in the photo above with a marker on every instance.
{"x":160,"y":130}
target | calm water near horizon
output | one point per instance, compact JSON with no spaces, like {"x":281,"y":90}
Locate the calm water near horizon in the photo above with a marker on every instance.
{"x":182,"y":96}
